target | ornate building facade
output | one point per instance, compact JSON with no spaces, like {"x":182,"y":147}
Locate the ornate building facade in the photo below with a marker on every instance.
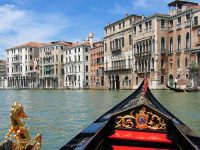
{"x":150,"y":38}
{"x":20,"y":65}
{"x":51,"y":62}
{"x":97,"y":66}
{"x":118,"y":53}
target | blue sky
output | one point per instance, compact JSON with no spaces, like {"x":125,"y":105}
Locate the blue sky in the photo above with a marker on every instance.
{"x":70,"y":20}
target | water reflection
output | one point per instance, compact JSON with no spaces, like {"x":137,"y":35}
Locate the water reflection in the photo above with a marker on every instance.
{"x":60,"y":115}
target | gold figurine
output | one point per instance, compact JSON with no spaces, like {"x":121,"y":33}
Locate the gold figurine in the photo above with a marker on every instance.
{"x":18,"y":136}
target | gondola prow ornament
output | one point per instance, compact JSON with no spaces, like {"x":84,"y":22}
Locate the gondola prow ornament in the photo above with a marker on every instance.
{"x":18,"y":136}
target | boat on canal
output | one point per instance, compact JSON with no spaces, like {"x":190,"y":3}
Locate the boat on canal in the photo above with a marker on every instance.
{"x":137,"y":122}
{"x":183,"y":90}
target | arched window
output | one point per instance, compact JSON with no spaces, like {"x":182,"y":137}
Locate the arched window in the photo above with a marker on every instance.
{"x":152,"y":60}
{"x":198,"y":36}
{"x":153,"y":50}
{"x":179,"y":42}
{"x":178,"y":63}
{"x":162,"y":63}
{"x":162,"y":43}
{"x":187,"y":41}
{"x":186,"y":62}
{"x":171,"y":45}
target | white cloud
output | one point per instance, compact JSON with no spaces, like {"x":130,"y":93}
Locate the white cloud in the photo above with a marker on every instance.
{"x":18,"y":26}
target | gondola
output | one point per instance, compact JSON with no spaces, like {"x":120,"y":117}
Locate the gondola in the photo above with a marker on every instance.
{"x":182,"y":90}
{"x":138,"y":122}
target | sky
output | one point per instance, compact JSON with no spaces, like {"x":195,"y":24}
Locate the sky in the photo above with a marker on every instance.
{"x":65,"y":20}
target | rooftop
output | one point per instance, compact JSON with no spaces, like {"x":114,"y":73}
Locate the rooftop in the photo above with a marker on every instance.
{"x":180,"y":3}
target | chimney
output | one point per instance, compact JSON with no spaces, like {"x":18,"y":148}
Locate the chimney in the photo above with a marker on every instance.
{"x":90,"y":37}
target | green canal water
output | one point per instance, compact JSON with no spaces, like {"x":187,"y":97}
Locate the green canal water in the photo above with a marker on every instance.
{"x":59,"y":115}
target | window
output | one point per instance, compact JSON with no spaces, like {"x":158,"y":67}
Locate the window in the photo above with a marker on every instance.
{"x":79,"y":68}
{"x":140,"y":28}
{"x":146,"y":25}
{"x":162,"y":23}
{"x":113,"y":28}
{"x":130,"y":39}
{"x":179,"y":20}
{"x":66,"y":52}
{"x":196,"y":20}
{"x":79,"y":49}
{"x":123,"y":24}
{"x":171,"y":45}
{"x":179,"y":42}
{"x":86,"y":49}
{"x":56,"y":58}
{"x":31,"y":68}
{"x":162,"y":80}
{"x":188,"y":17}
{"x":61,"y":58}
{"x":123,"y":42}
{"x":69,"y":51}
{"x":130,"y":21}
{"x":186,"y":62}
{"x":56,"y":47}
{"x":86,"y":77}
{"x":162,"y":63}
{"x":86,"y":68}
{"x":79,"y":58}
{"x":75,"y":51}
{"x":119,"y":25}
{"x":162,"y":43}
{"x":171,"y":22}
{"x":26,"y":57}
{"x":86,"y":58}
{"x":134,"y":30}
{"x":31,"y":57}
{"x":178,"y":63}
{"x":30,"y":49}
{"x":105,"y":47}
{"x":61,"y":47}
{"x":187,"y":41}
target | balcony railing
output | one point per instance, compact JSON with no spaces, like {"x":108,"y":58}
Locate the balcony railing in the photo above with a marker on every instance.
{"x":178,"y":26}
{"x":178,"y":51}
{"x":127,"y":67}
{"x":116,"y":49}
{"x":142,"y":54}
{"x":163,"y":51}
{"x":16,"y":73}
{"x":187,"y":24}
{"x":171,"y":28}
{"x":16,"y":61}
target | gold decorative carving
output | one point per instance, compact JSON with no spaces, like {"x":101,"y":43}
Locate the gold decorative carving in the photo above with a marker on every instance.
{"x":18,"y":135}
{"x":141,"y":120}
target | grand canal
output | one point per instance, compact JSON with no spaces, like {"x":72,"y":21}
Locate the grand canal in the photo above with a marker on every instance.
{"x":59,"y":115}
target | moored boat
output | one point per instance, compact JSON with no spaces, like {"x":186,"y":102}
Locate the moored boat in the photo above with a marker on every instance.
{"x":138,"y":122}
{"x":182,"y":90}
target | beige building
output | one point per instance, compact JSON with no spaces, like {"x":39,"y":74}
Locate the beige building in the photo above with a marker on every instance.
{"x":118,"y":53}
{"x":51,"y":62}
{"x":150,"y":38}
{"x":21,"y":72}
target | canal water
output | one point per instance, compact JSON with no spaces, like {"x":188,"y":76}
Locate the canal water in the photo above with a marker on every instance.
{"x":60,"y":114}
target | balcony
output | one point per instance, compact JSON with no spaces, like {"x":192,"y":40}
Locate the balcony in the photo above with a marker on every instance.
{"x":143,"y":54}
{"x":117,"y":68}
{"x":178,"y":51}
{"x":163,"y":28}
{"x":116,"y":50}
{"x":163,"y":51}
{"x":198,"y":43}
{"x":178,"y":26}
{"x":195,"y":24}
{"x":16,"y":73}
{"x":19,"y":61}
{"x":187,"y":23}
{"x":171,"y":28}
{"x":170,"y":52}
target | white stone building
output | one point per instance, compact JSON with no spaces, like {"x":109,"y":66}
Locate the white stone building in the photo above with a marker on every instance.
{"x":77,"y":65}
{"x":21,"y":72}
